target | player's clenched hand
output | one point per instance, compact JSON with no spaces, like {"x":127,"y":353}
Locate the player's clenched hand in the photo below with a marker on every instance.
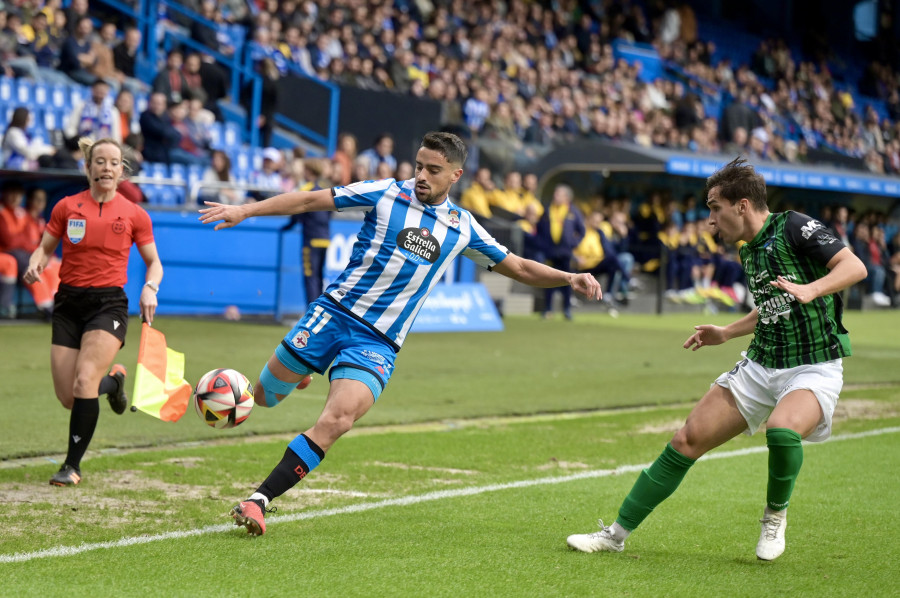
{"x":588,"y":286}
{"x":229,"y":215}
{"x":706,"y":334}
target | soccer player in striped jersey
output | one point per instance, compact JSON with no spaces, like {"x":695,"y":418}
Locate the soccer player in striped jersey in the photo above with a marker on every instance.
{"x":791,"y":374}
{"x":411,"y":233}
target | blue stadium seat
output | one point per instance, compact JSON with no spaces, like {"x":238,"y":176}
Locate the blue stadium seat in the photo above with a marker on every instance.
{"x":140,"y":102}
{"x":41,"y":94}
{"x":232,"y":134}
{"x":194,"y":173}
{"x":59,"y":96}
{"x":257,"y":153}
{"x":24,"y":92}
{"x":7,"y":89}
{"x":217,"y":135}
{"x":178,"y":172}
{"x":242,"y":161}
{"x":156,"y":170}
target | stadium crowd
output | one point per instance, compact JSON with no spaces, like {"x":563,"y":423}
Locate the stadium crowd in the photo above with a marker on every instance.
{"x":517,"y":78}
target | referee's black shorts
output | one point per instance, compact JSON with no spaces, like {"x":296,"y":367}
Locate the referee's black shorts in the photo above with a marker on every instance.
{"x":77,"y":310}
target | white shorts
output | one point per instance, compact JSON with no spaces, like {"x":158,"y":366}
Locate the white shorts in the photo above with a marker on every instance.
{"x":757,"y":390}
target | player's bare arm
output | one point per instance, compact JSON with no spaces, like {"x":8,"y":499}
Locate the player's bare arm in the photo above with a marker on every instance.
{"x":284,"y":204}
{"x":540,"y":275}
{"x":708,"y":334}
{"x":845,"y":270}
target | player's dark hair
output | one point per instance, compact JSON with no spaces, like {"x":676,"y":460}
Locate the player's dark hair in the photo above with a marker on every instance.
{"x":737,"y":180}
{"x":447,"y":144}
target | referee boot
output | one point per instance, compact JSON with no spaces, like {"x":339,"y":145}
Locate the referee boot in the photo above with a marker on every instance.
{"x":66,"y":476}
{"x":118,"y":400}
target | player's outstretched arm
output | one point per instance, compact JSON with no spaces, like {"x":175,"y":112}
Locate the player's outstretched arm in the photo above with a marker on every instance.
{"x":284,"y":204}
{"x":708,"y":334}
{"x":535,"y":274}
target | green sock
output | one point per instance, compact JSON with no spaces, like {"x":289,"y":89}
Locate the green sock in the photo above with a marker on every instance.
{"x":653,"y":486}
{"x":785,"y":460}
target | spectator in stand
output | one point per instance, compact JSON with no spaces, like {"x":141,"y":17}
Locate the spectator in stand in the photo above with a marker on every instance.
{"x":219,"y":171}
{"x":215,"y":83}
{"x":97,"y":117}
{"x":42,"y":291}
{"x":199,"y":120}
{"x":159,"y":134}
{"x":596,"y":255}
{"x":866,"y":247}
{"x":345,"y":154}
{"x":192,"y":77}
{"x":507,"y":202}
{"x":315,"y":229}
{"x":187,"y":150}
{"x":18,"y":151}
{"x":129,"y":123}
{"x":77,"y":57}
{"x":559,"y":231}
{"x":170,"y":81}
{"x":381,"y":151}
{"x":204,"y":31}
{"x":105,"y":67}
{"x":45,"y":47}
{"x":77,"y":10}
{"x":262,"y":47}
{"x":294,"y":48}
{"x":269,"y":180}
{"x":268,"y":100}
{"x":125,"y":60}
{"x":477,"y":198}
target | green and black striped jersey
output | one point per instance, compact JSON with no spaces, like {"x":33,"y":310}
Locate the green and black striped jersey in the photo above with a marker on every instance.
{"x":789,"y":333}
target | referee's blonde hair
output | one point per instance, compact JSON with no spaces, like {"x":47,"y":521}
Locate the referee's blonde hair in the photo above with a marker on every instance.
{"x":87,"y":145}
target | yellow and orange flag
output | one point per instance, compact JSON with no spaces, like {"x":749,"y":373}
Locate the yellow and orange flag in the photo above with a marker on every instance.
{"x":160,"y":389}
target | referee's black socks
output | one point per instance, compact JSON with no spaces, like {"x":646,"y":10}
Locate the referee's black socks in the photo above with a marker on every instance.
{"x":82,"y":423}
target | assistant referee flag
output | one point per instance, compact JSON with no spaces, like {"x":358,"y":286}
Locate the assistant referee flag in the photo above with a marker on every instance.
{"x":159,"y":385}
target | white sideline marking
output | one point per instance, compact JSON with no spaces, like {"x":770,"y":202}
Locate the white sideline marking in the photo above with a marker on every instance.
{"x":393,"y":502}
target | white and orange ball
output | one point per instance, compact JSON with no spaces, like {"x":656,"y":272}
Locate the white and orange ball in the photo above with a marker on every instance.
{"x":223,"y":398}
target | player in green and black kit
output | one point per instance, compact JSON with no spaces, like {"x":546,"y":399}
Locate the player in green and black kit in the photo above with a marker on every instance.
{"x":791,"y":373}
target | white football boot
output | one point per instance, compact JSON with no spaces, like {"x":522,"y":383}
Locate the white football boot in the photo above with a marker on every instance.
{"x":596,"y":541}
{"x":771,"y":536}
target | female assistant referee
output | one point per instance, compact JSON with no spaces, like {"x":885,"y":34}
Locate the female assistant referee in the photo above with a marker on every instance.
{"x":90,"y":314}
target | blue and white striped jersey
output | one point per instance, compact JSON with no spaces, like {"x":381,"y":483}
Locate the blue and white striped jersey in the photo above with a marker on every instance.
{"x":401,"y":252}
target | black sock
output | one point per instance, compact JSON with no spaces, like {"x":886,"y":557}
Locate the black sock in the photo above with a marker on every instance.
{"x":82,"y":422}
{"x":289,"y":471}
{"x":108,"y":385}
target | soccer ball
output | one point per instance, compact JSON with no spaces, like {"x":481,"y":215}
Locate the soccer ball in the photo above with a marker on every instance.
{"x":223,"y":398}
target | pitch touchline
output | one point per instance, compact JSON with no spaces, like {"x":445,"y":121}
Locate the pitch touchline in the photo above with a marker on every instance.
{"x":392,"y":502}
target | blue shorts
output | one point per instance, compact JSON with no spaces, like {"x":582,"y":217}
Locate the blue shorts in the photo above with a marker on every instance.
{"x":327,"y":335}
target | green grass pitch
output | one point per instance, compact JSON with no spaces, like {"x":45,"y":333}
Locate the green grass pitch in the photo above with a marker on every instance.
{"x":483,"y":454}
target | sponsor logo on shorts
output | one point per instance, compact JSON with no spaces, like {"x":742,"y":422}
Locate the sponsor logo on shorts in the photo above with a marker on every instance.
{"x":76,"y":229}
{"x":301,"y":339}
{"x":374,"y":357}
{"x":418,"y":245}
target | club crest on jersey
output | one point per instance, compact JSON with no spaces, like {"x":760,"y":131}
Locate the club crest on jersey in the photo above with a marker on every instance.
{"x":76,"y":229}
{"x":301,"y":339}
{"x":418,"y":245}
{"x":119,"y":226}
{"x":453,"y":218}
